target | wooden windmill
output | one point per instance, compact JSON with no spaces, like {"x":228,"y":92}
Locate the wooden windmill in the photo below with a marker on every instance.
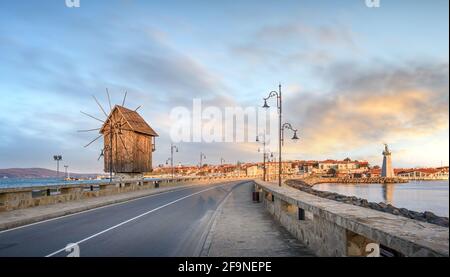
{"x":128,"y":140}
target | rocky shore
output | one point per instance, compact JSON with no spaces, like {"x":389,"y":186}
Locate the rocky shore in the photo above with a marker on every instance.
{"x":306,"y":186}
{"x":342,"y":180}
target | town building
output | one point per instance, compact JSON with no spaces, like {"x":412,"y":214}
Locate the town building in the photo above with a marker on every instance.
{"x":424,"y":173}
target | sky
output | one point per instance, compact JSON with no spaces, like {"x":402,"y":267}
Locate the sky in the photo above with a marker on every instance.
{"x":353,"y":77}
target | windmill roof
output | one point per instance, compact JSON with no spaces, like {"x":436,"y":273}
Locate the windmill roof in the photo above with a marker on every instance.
{"x":134,"y":120}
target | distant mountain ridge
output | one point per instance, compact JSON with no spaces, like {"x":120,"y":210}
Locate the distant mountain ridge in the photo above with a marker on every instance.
{"x":38,"y":173}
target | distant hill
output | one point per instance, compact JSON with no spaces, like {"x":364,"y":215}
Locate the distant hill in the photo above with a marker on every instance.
{"x":37,"y":173}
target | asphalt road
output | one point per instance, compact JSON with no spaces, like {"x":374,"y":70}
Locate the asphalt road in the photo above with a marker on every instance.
{"x":174,"y":223}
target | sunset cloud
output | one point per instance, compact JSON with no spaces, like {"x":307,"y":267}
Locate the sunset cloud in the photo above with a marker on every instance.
{"x":372,"y":106}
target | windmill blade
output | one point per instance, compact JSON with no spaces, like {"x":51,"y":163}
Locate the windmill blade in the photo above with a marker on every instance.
{"x":101,"y":155}
{"x":109,"y":100}
{"x":94,"y":140}
{"x":126,"y":129}
{"x":124,"y":123}
{"x":90,"y":130}
{"x":137,"y":108}
{"x":91,"y":116}
{"x":101,"y":108}
{"x":124,"y":98}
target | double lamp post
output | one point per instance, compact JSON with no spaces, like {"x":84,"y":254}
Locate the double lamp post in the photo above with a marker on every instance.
{"x":173,"y":149}
{"x":281,"y":127}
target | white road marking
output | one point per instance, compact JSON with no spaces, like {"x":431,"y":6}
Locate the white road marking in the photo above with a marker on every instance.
{"x":105,"y":206}
{"x":134,"y":218}
{"x":94,"y":209}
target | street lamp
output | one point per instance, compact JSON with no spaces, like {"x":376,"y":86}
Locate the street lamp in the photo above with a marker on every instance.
{"x":288,"y":126}
{"x":57,"y":158}
{"x":264,"y":153}
{"x":277,"y":94}
{"x":67,"y":173}
{"x":202,"y":156}
{"x":172,"y":148}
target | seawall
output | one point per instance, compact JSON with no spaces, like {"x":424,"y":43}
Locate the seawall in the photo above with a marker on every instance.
{"x":427,"y":216}
{"x":332,"y":228}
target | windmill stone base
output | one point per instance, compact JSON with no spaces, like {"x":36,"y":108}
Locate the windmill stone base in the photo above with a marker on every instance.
{"x":128,"y":176}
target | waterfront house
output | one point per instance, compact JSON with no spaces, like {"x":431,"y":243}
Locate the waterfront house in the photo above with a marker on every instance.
{"x":424,"y":173}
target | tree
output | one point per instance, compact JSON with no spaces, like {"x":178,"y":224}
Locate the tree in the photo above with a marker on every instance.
{"x":332,"y":172}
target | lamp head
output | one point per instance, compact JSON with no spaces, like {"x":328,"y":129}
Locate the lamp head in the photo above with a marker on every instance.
{"x":295,"y":137}
{"x":266,"y":106}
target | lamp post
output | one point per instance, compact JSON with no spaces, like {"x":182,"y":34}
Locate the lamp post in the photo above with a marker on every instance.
{"x":277,"y":94}
{"x":57,"y":158}
{"x":202,"y":156}
{"x":222,"y":161}
{"x":264,"y":153}
{"x":167,"y":163}
{"x":172,"y":148}
{"x":66,"y":172}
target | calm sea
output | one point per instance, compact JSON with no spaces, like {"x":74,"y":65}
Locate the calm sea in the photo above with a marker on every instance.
{"x":28,"y":182}
{"x":418,"y":196}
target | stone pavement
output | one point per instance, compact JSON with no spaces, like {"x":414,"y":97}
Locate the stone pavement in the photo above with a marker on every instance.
{"x":244,"y":228}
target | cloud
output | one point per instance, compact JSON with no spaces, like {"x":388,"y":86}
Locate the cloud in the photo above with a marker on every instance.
{"x":369,"y":106}
{"x":285,"y":44}
{"x":298,"y":32}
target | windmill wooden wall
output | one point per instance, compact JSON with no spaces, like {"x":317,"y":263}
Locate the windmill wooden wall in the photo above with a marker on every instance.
{"x":132,"y":142}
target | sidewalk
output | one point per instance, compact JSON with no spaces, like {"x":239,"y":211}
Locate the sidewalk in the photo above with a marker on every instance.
{"x":244,"y":228}
{"x":22,"y":217}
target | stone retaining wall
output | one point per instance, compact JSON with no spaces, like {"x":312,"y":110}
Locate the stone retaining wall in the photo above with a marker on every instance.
{"x":426,"y":216}
{"x":20,"y":198}
{"x":332,"y":228}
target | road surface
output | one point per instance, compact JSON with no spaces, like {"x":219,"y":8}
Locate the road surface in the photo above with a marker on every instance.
{"x":173,"y":223}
